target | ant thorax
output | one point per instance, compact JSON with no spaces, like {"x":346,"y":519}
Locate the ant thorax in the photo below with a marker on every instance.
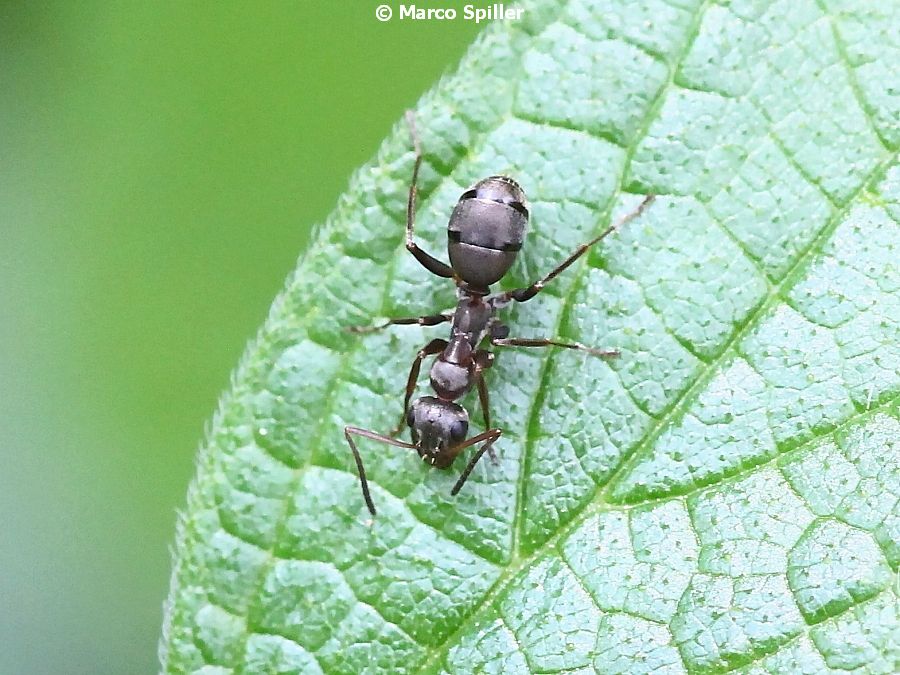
{"x":472,"y":318}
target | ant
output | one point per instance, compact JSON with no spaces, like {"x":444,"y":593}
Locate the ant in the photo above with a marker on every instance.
{"x":485,"y":232}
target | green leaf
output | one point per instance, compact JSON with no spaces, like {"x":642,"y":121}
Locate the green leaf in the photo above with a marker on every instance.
{"x":724,"y":495}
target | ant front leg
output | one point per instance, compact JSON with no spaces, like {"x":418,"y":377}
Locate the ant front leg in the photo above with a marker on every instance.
{"x":489,"y":437}
{"x":436,"y":346}
{"x":427,"y":261}
{"x":349,"y":432}
{"x":432,"y":320}
{"x":524,"y":294}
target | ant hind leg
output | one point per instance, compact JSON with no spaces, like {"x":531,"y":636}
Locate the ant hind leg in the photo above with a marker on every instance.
{"x":427,"y":261}
{"x":523,"y":294}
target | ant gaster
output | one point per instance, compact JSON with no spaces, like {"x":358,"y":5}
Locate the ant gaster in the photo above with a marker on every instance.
{"x":485,"y":233}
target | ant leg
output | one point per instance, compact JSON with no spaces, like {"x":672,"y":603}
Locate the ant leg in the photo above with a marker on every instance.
{"x":365,"y":433}
{"x":542,"y":342}
{"x":489,"y":436}
{"x":484,"y":360}
{"x":483,"y":397}
{"x":523,"y":294}
{"x":429,"y":262}
{"x":436,"y":346}
{"x":432,"y":320}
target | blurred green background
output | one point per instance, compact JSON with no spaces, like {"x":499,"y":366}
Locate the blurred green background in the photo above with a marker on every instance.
{"x":161,"y":165}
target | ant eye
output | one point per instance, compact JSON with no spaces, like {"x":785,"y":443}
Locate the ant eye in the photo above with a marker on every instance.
{"x":459,"y":430}
{"x":410,"y":417}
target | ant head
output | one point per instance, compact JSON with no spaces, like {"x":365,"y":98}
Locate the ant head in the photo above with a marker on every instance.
{"x":437,"y":426}
{"x":486,"y":230}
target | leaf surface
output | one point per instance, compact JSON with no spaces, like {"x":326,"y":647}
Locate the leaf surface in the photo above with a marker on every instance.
{"x":723,"y":496}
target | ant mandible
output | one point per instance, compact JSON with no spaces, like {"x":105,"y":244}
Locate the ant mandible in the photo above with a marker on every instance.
{"x":484,"y":235}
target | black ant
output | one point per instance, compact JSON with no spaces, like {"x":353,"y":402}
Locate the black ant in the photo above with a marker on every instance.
{"x":485,"y":233}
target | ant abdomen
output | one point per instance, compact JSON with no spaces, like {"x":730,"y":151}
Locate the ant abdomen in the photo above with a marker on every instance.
{"x":486,"y":230}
